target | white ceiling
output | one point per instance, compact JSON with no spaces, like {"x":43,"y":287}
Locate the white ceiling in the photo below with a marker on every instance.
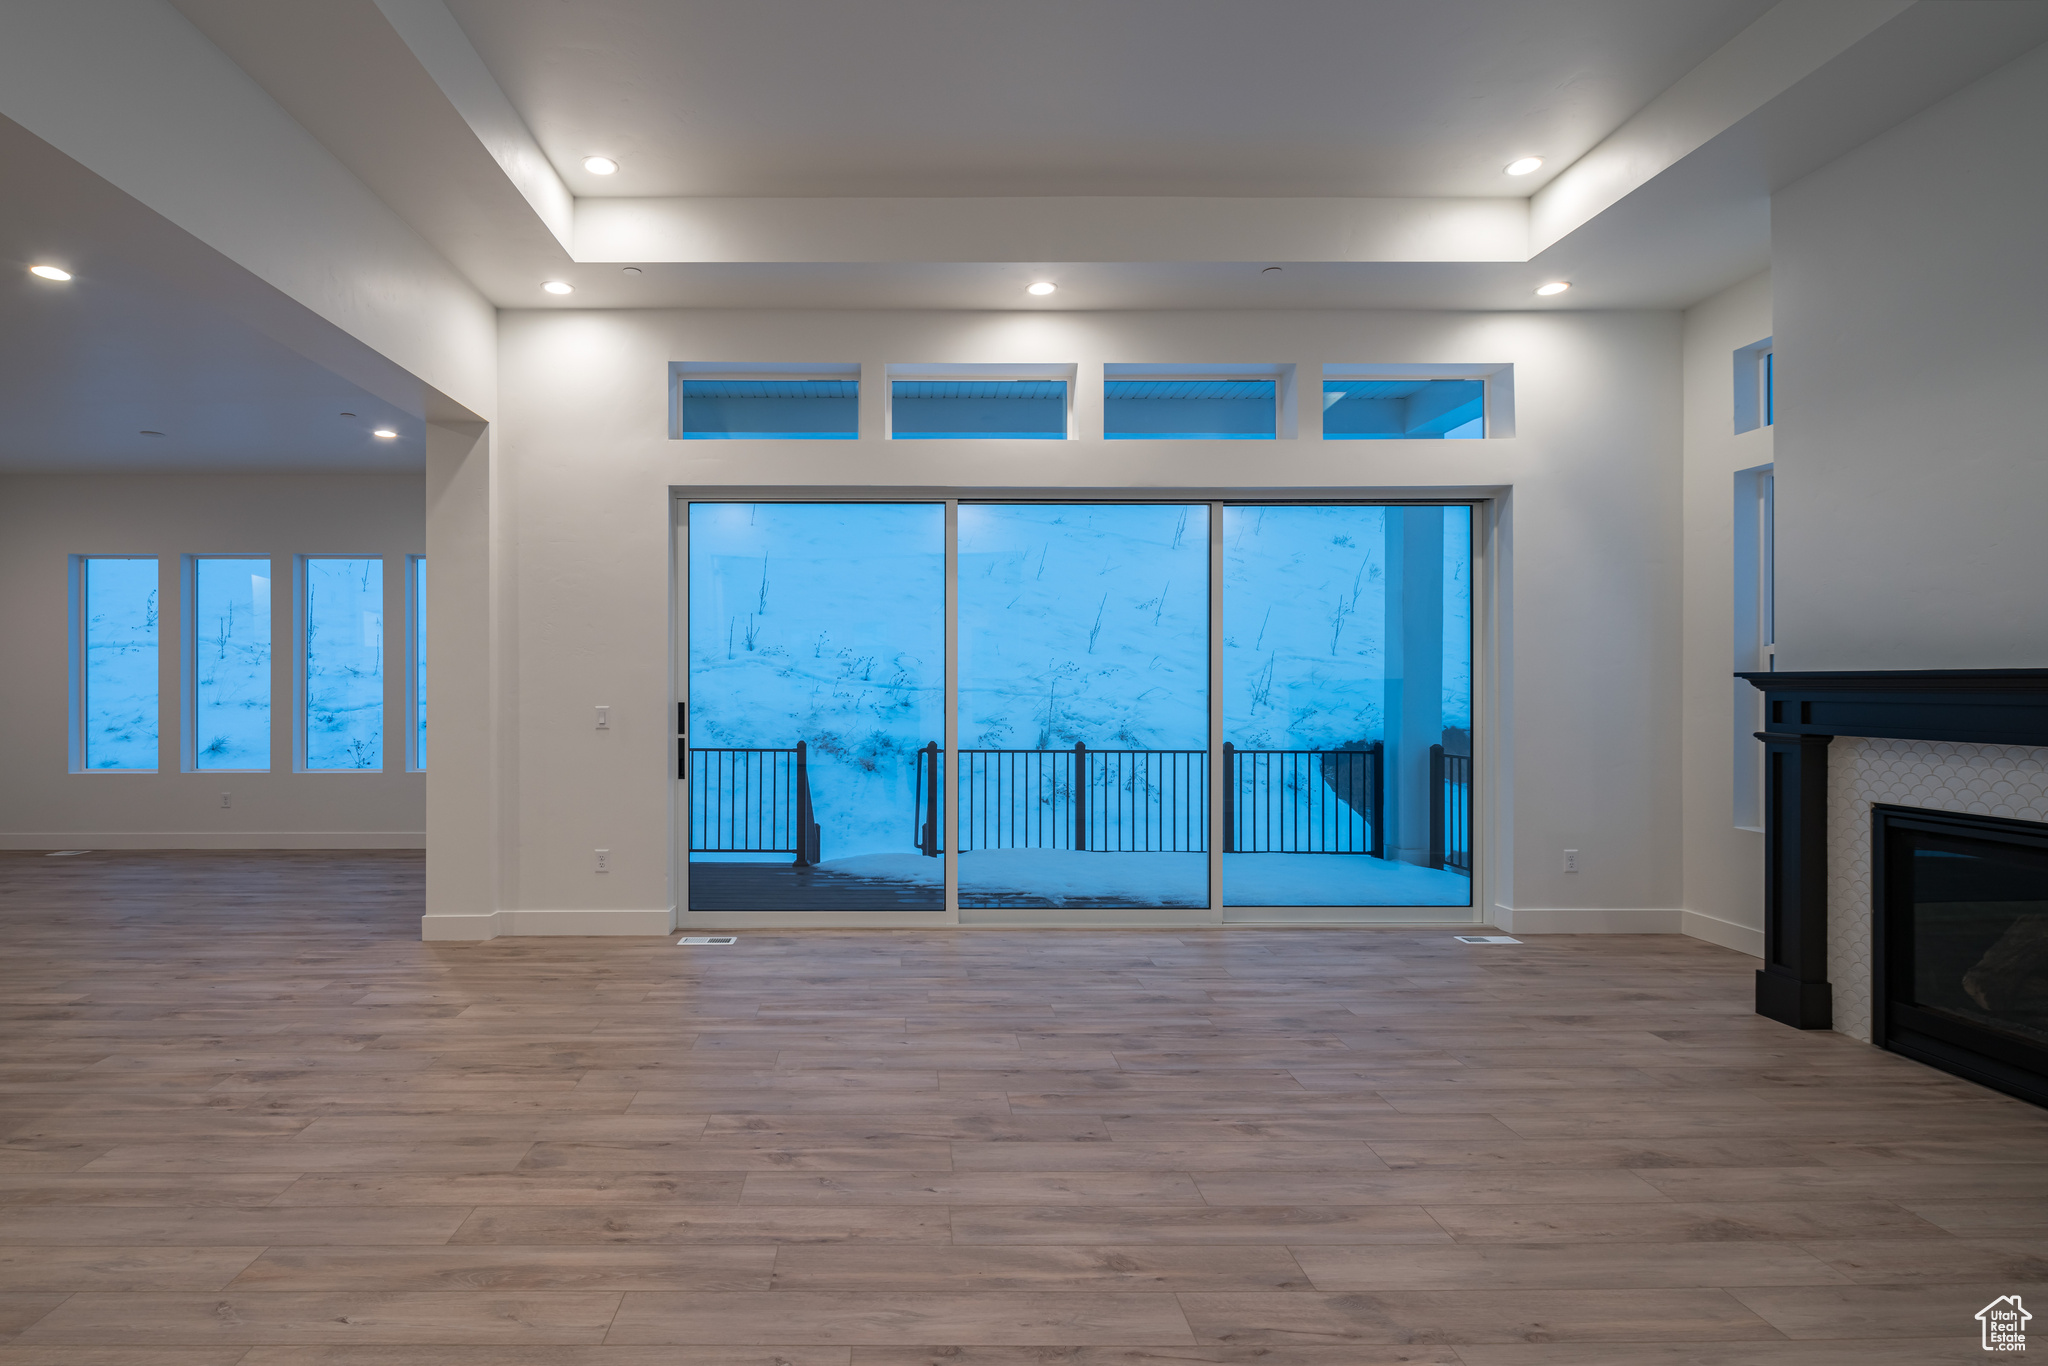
{"x":1082,"y":97}
{"x":143,"y":338}
{"x":1401,"y":101}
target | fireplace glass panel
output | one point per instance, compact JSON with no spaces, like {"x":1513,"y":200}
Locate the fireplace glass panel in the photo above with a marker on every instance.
{"x":1980,"y":934}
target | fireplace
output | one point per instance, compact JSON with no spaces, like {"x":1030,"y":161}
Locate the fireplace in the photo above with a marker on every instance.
{"x":1961,"y":962}
{"x":1939,"y":883}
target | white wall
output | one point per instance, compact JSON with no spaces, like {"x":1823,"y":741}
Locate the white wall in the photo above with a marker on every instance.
{"x":45,"y":519}
{"x":1723,"y":864}
{"x":1910,"y":291}
{"x":1589,"y":640}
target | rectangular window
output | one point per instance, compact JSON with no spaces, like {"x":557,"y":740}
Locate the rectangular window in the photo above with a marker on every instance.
{"x":1756,"y":386}
{"x":117,"y":637}
{"x":1404,"y":409}
{"x":1189,"y":409}
{"x":342,"y":616}
{"x":416,"y":600}
{"x":230,"y":654}
{"x":770,"y":409}
{"x":1756,"y":630}
{"x":978,"y":410}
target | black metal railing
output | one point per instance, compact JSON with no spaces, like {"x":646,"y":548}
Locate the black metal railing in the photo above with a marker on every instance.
{"x":1450,"y":810}
{"x":1304,"y":801}
{"x":1133,"y":801}
{"x":752,"y":801}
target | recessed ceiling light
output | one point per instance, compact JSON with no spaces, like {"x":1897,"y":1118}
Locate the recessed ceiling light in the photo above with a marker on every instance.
{"x":1042,"y":287}
{"x":559,"y":287}
{"x":345,"y":414}
{"x":1523,"y":165}
{"x":1270,"y":270}
{"x":146,"y":432}
{"x":600,"y":165}
{"x":50,"y":272}
{"x":385,"y":434}
{"x":629,"y":270}
{"x":1554,"y":287}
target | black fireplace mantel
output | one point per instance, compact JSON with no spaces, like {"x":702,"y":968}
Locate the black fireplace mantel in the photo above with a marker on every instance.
{"x":1803,"y":712}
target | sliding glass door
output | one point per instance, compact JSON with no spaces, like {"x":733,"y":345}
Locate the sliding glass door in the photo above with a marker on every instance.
{"x":810,"y":758}
{"x":1084,"y":705}
{"x":1037,"y":688}
{"x":1347,"y":706}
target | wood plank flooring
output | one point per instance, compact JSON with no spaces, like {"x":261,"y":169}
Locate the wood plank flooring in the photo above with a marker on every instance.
{"x":248,"y":1119}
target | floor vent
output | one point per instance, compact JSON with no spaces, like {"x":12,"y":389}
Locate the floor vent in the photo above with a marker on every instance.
{"x":1484,"y":939}
{"x":705,"y":939}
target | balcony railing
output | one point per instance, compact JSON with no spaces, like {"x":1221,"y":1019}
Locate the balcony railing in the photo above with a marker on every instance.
{"x":752,"y":801}
{"x":1304,"y":801}
{"x":1133,"y":801}
{"x":1450,"y":812}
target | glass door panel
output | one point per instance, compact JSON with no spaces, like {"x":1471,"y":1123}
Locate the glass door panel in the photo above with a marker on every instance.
{"x":816,"y":677}
{"x":1347,"y":706}
{"x":1083,"y":776}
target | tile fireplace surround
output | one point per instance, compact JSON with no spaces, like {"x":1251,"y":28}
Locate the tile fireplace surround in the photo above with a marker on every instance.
{"x":1976,"y":780}
{"x":1964,"y":740}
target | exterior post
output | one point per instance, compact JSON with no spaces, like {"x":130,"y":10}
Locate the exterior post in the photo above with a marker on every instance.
{"x":1229,"y":798}
{"x":1379,"y":798}
{"x":806,"y":833}
{"x":1080,"y":795}
{"x":1792,"y":986}
{"x":1436,"y":806}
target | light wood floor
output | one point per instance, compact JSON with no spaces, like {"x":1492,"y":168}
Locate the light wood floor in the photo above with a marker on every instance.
{"x":250,"y":1119}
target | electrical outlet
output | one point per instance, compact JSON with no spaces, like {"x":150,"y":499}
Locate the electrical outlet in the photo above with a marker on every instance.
{"x":1571,"y":860}
{"x":604,"y":718}
{"x":226,"y":801}
{"x":604,"y":860}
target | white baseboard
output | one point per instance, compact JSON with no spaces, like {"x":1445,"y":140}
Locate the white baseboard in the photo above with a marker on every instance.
{"x":492,"y":924}
{"x":1726,"y":933}
{"x":1588,"y":919}
{"x":214,"y":839}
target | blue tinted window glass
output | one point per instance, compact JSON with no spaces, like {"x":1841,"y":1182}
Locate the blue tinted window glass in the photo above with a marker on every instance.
{"x":1083,"y":708}
{"x":1770,"y":388}
{"x":119,"y":618}
{"x":817,"y":674}
{"x":231,"y":663}
{"x":344,"y":625}
{"x":419,"y":661}
{"x":1199,"y":410}
{"x":930,"y":410}
{"x":767,"y":410}
{"x":1404,"y":409}
{"x":1347,"y":706}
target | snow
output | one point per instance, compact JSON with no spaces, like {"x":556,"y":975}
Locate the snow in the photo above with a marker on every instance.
{"x":1305,"y":623}
{"x":1084,"y":624}
{"x":1057,"y":875}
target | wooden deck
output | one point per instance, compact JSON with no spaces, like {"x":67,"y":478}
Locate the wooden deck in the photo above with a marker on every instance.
{"x":250,"y":1119}
{"x":786,"y":887}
